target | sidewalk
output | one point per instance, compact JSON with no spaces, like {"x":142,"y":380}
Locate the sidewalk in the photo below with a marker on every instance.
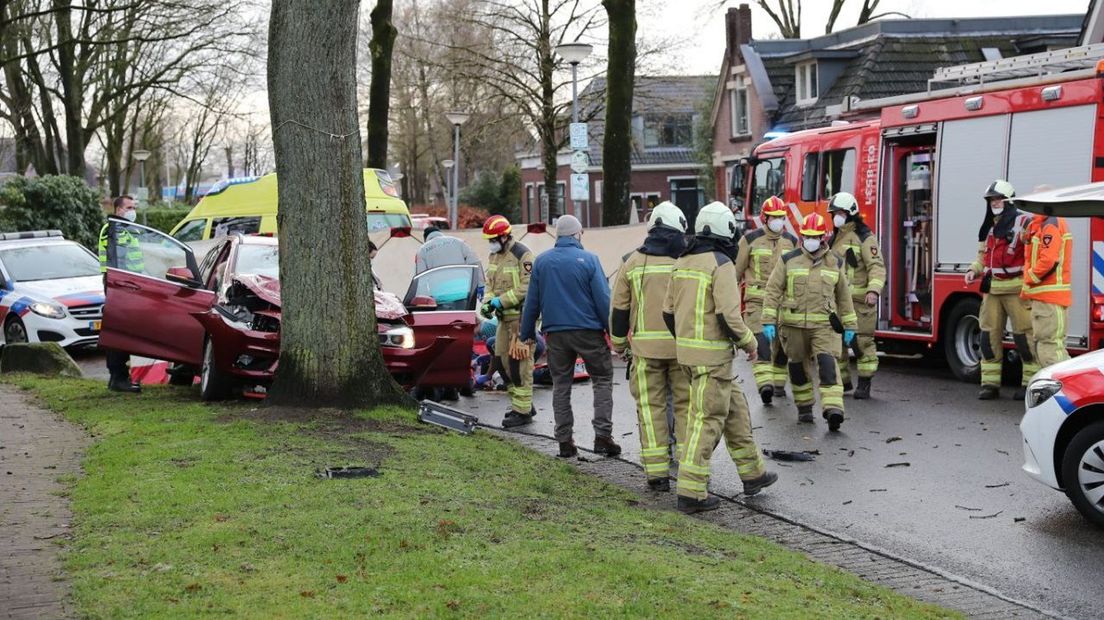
{"x":36,"y":449}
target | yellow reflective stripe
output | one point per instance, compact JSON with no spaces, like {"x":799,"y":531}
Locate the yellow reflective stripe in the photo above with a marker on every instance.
{"x":746,"y":340}
{"x":708,"y":345}
{"x":694,"y":469}
{"x":849,"y":317}
{"x":691,"y":485}
{"x":1050,"y":288}
{"x":697,"y":410}
{"x":790,"y":276}
{"x":830,"y":275}
{"x":647,"y":431}
{"x":618,"y":340}
{"x":652,"y":335}
{"x":769,"y":314}
{"x":650,"y":269}
{"x":818,"y":317}
{"x":873,"y":284}
{"x":636,"y":278}
{"x":660,"y":451}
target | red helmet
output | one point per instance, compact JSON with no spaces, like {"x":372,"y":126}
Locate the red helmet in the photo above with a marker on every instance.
{"x":814,"y":225}
{"x":496,"y":226}
{"x":774,"y":207}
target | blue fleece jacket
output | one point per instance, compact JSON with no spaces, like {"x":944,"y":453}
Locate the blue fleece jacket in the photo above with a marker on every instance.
{"x":567,"y":289}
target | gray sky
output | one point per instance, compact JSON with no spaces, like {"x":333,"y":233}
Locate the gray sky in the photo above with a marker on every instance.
{"x":700,"y":26}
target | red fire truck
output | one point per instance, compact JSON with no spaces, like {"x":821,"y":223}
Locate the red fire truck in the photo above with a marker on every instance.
{"x":919,"y":164}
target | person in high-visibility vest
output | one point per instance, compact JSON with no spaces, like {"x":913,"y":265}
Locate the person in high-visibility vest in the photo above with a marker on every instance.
{"x":756,"y":256}
{"x":636,"y":322}
{"x":119,"y":249}
{"x":1048,"y":249}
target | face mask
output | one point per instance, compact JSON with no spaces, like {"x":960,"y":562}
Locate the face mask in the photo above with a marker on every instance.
{"x":496,"y":246}
{"x":811,"y":245}
{"x":839,"y":219}
{"x":130,"y":215}
{"x":776,"y":224}
{"x":998,"y":210}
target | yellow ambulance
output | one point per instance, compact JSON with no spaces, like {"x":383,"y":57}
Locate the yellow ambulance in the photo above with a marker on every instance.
{"x":248,"y":206}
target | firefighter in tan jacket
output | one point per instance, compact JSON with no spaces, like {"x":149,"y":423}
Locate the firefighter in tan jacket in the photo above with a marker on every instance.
{"x":856,"y":244}
{"x":702,"y":310}
{"x":808,"y":297}
{"x":508,"y":274}
{"x":757,"y":253}
{"x":636,"y":321}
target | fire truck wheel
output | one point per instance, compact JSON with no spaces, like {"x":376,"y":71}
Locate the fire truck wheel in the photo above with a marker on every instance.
{"x":962,"y":340}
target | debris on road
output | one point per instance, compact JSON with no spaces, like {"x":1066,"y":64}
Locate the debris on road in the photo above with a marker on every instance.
{"x":791,"y":455}
{"x":967,"y":508}
{"x":878,"y":490}
{"x":902,"y":464}
{"x":995,"y":514}
{"x":997,"y":486}
{"x":893,"y":439}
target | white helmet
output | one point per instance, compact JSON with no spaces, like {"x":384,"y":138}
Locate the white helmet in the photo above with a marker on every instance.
{"x":844,"y":201}
{"x":715,"y":220}
{"x":667,"y":214}
{"x":1000,"y":189}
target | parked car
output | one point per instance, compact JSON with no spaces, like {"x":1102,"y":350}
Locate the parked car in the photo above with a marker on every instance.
{"x":220,"y":317}
{"x":1063,"y":427}
{"x":50,"y":290}
{"x":421,"y":221}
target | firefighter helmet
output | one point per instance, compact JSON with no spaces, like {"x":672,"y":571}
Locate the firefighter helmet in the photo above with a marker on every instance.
{"x":496,"y":226}
{"x":814,"y":225}
{"x":844,"y":201}
{"x":1000,"y":189}
{"x":774,"y":207}
{"x":715,"y":220}
{"x":667,"y":214}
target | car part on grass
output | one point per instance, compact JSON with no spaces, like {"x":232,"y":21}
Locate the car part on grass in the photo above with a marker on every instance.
{"x":447,"y":417}
{"x":788,"y":455}
{"x":348,"y":472}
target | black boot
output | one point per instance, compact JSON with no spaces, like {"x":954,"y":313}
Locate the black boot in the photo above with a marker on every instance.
{"x":805,"y":414}
{"x":753,"y":486}
{"x":514,"y":419}
{"x":863,"y":391}
{"x":123,"y":384}
{"x":605,"y":445}
{"x":767,"y":394}
{"x":835,"y":419}
{"x":660,"y":484}
{"x":689,"y":505}
{"x":847,"y":385}
{"x":989,"y":392}
{"x":567,"y":449}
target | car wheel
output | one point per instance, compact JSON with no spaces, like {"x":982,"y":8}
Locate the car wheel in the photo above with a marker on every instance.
{"x":213,"y":383}
{"x":1083,"y":472}
{"x":962,"y":340}
{"x":14,"y":330}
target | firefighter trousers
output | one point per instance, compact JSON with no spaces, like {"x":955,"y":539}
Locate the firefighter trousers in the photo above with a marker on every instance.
{"x":866,"y":351}
{"x":517,"y":373}
{"x":717,"y":409}
{"x":1048,"y":326}
{"x":770,"y":367}
{"x":820,"y":346}
{"x":651,"y":382}
{"x":996,"y":311}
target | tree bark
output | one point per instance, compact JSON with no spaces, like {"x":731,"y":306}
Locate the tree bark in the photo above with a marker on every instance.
{"x":379,"y":97}
{"x":329,"y":348}
{"x":617,"y":145}
{"x":549,"y":137}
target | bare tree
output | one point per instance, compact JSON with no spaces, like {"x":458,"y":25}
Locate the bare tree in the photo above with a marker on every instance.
{"x":382,"y":45}
{"x":786,"y":14}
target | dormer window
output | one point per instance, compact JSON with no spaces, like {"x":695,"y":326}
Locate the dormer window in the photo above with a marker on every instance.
{"x":739,"y":108}
{"x":806,"y":81}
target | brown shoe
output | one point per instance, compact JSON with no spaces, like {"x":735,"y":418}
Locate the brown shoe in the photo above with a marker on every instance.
{"x":605,"y":445}
{"x":568,"y":449}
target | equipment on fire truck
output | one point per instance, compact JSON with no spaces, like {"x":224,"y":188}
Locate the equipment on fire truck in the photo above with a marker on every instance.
{"x":916,"y":222}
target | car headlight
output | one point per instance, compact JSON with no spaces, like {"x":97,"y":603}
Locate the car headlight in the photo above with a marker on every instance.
{"x":50,"y":311}
{"x":398,"y":337}
{"x":1040,"y":390}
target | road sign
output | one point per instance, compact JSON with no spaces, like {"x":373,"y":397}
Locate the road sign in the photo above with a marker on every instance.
{"x":580,"y":187}
{"x":579,"y":137}
{"x":580,"y":161}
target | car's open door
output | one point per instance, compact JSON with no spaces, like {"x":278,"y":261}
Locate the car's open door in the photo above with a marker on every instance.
{"x":150,"y":310}
{"x":442,"y":302}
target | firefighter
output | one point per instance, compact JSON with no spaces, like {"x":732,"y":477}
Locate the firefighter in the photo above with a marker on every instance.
{"x":758,"y":252}
{"x":508,"y":273}
{"x":1000,"y":262}
{"x":807,"y":305}
{"x":866,"y":272}
{"x":702,"y":311}
{"x":636,"y":322}
{"x":1048,"y":246}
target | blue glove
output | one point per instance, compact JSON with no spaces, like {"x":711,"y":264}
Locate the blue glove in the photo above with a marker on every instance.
{"x":848,"y":336}
{"x":770,"y":331}
{"x":497,"y":303}
{"x":487,"y":310}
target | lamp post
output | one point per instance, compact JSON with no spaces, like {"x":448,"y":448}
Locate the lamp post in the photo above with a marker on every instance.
{"x":448,"y":164}
{"x":457,"y":119}
{"x":143,"y":199}
{"x":574,"y":53}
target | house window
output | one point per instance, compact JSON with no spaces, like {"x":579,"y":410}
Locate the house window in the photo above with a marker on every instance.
{"x":668,"y":130}
{"x":806,"y":81}
{"x":598,"y":192}
{"x":739,"y":104}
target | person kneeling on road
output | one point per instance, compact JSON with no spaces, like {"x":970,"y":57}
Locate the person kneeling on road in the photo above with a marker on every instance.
{"x":702,"y":311}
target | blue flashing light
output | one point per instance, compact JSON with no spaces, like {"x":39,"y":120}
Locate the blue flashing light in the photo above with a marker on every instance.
{"x":224,"y":183}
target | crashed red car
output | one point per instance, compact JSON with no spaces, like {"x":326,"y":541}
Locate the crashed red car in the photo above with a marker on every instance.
{"x":220,"y":318}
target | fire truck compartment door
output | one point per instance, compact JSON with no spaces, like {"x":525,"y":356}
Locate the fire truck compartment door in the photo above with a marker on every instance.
{"x":1054,"y":147}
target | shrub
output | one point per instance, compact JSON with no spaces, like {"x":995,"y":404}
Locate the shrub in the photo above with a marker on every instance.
{"x":164,"y":219}
{"x":64,"y":203}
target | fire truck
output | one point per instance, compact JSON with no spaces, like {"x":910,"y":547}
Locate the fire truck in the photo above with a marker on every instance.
{"x":918,"y":165}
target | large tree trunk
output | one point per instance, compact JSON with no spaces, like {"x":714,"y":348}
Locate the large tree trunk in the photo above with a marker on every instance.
{"x":550,"y":138}
{"x":617,"y":146}
{"x":329,"y":349}
{"x":379,"y":97}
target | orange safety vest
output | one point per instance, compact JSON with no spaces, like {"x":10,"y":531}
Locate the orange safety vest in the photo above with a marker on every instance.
{"x":1048,"y":252}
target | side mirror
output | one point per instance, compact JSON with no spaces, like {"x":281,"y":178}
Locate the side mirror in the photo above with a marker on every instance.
{"x":182,"y":275}
{"x":422,"y":302}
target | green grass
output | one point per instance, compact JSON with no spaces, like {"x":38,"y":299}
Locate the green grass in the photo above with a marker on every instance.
{"x":188,"y":509}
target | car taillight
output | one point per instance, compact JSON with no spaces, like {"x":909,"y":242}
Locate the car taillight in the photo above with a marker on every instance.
{"x":1098,"y":311}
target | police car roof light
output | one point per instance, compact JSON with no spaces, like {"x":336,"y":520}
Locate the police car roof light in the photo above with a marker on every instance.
{"x":30,"y":234}
{"x":537,"y":228}
{"x":398,"y":232}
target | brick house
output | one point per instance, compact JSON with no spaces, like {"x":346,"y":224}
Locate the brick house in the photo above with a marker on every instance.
{"x":785,"y":85}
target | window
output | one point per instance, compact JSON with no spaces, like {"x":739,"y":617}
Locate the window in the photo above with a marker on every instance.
{"x":230,"y":225}
{"x":838,"y":168}
{"x":598,"y":192}
{"x":383,"y":221}
{"x":668,"y":130}
{"x":191,"y":231}
{"x":53,"y":261}
{"x":546,"y":213}
{"x":806,"y":83}
{"x":739,"y":106}
{"x":768,"y":177}
{"x":529,"y":202}
{"x":809,"y":177}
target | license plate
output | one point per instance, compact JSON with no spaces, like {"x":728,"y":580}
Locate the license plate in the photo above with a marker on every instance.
{"x":94,"y":325}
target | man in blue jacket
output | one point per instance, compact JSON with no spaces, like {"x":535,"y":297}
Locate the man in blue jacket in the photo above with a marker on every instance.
{"x":569,"y":292}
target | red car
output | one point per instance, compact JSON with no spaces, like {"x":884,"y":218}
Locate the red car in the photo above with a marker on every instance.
{"x":220,"y":318}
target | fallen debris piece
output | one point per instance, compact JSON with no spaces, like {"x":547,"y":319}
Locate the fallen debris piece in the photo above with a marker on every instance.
{"x":1019,"y":519}
{"x":878,"y":490}
{"x":893,"y":439}
{"x":447,"y":417}
{"x":847,"y":502}
{"x":903,"y":464}
{"x":791,"y":455}
{"x":967,"y":508}
{"x":349,"y":472}
{"x":1003,"y":452}
{"x":995,"y":514}
{"x":997,"y":486}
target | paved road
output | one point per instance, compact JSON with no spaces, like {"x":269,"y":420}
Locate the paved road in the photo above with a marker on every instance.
{"x":954,"y":507}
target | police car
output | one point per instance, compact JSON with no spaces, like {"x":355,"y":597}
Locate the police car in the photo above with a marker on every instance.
{"x":51,"y":290}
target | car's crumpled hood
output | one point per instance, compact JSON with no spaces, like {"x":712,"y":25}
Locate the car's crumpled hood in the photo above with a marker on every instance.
{"x":267,"y":288}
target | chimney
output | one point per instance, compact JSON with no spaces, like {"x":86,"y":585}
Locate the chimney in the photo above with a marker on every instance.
{"x":738,"y":31}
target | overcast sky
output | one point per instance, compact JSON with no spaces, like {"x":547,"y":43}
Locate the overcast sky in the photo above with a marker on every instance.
{"x":700,"y":23}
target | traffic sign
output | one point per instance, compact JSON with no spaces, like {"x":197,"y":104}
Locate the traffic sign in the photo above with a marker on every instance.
{"x":580,"y":161}
{"x":580,"y":187}
{"x":579,"y":137}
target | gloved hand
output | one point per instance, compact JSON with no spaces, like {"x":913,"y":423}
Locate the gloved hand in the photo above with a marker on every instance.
{"x":490,"y":307}
{"x":848,"y":336}
{"x":770,"y":331}
{"x":871,"y":298}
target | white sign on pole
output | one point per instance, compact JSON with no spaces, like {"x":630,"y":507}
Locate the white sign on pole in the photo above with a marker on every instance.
{"x":579,"y":137}
{"x":580,"y":187}
{"x":580,"y":161}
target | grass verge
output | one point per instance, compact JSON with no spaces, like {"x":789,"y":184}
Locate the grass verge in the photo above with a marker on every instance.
{"x":188,"y":509}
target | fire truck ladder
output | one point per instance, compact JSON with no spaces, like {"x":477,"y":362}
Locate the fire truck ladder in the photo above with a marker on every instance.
{"x":1031,"y":65}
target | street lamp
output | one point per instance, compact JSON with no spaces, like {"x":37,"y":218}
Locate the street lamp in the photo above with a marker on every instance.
{"x":143,"y":199}
{"x":448,"y":164}
{"x":574,"y":53}
{"x":457,"y":119}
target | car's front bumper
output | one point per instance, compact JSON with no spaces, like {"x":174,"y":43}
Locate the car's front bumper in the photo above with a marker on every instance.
{"x":70,"y":331}
{"x":1039,"y":428}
